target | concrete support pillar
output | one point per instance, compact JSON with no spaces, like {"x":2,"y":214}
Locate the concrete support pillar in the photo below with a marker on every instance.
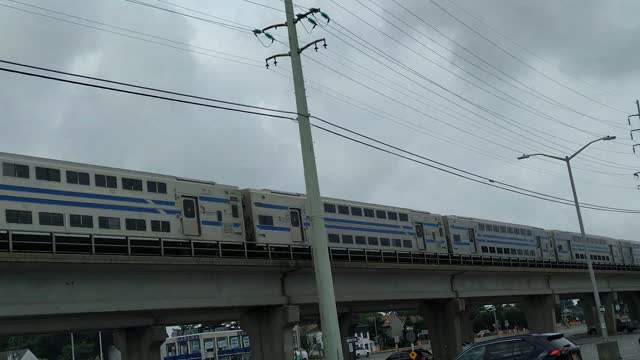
{"x":271,"y":331}
{"x":444,"y":321}
{"x":466,"y":326}
{"x":541,"y":313}
{"x":347,"y":323}
{"x":588,"y":306}
{"x":609,"y":301}
{"x":140,"y":343}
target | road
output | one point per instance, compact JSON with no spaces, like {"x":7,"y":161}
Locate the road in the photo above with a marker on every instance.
{"x":629,"y":344}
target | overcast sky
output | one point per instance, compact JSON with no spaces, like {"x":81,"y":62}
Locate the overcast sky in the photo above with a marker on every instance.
{"x":586,"y":45}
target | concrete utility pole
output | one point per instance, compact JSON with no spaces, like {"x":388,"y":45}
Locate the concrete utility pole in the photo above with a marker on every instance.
{"x":583,"y":236}
{"x":317,"y":232}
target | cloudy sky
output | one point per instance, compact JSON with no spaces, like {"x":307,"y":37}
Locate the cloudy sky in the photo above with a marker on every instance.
{"x":419,"y":79}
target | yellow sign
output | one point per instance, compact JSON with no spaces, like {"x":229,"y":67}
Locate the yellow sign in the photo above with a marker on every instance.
{"x":413,"y":355}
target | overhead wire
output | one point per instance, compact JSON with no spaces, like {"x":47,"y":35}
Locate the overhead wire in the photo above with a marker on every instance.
{"x":502,"y":49}
{"x":485,"y":181}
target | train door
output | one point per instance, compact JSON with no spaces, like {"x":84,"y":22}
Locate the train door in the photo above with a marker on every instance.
{"x":420,"y":240}
{"x":190,"y":216}
{"x":472,"y":241}
{"x":297,"y":231}
{"x":628,"y":255}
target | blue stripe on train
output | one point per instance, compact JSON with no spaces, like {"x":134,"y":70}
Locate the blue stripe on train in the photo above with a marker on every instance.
{"x":273,"y":228}
{"x":78,"y":204}
{"x":214,"y":199}
{"x":162,"y":202}
{"x":271,"y":206}
{"x":338,"y":227}
{"x":75,"y":194}
{"x":506,"y":243}
{"x":218,"y":223}
{"x":345,"y":221}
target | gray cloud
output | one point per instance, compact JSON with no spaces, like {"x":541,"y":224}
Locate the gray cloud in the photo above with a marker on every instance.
{"x":590,"y":39}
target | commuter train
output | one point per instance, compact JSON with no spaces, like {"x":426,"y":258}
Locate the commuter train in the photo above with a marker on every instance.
{"x":50,"y":205}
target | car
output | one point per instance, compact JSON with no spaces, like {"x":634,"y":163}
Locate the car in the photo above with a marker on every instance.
{"x":483,"y":333}
{"x":524,"y":347}
{"x":466,"y":345}
{"x":360,"y":353}
{"x":404,"y":355}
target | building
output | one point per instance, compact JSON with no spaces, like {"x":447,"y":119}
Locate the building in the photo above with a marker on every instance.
{"x":392,"y":325}
{"x":218,"y":345}
{"x":364,"y":340}
{"x":22,"y":354}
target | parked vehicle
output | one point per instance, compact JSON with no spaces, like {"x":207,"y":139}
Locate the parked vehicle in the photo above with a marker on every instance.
{"x":483,"y":333}
{"x":524,"y":347}
{"x":362,"y":353}
{"x":404,"y":355}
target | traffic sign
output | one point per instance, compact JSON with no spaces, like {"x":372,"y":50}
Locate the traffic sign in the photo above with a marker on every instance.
{"x":413,"y":355}
{"x":410,"y":336}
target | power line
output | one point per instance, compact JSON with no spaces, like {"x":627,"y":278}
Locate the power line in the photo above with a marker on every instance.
{"x":146,"y":87}
{"x":522,"y":61}
{"x":448,"y":100}
{"x":25,"y":73}
{"x":489,"y":183}
{"x":131,"y":36}
{"x":535,"y":93}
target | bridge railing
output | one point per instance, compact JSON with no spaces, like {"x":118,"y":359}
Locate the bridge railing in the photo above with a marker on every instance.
{"x":97,"y":244}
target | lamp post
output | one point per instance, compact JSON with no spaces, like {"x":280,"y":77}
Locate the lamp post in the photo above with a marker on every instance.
{"x":596,"y":295}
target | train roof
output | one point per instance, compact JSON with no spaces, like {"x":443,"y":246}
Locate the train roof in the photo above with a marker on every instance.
{"x":71,"y":164}
{"x":494,"y":221}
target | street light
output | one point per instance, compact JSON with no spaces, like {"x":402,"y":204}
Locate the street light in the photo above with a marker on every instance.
{"x":596,"y":294}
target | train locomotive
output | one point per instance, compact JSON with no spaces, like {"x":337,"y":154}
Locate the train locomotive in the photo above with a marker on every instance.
{"x":57,"y":206}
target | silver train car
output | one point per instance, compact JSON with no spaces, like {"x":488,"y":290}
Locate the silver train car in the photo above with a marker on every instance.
{"x":75,"y":202}
{"x":57,"y":206}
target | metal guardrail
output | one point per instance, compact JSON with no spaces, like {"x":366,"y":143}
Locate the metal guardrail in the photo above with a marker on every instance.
{"x":96,"y":244}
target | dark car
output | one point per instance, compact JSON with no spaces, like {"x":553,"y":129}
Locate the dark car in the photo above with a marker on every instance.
{"x":404,"y":355}
{"x":524,"y":347}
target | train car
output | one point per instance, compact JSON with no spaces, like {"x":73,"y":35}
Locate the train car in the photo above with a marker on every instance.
{"x":275,"y":217}
{"x":467,"y":236}
{"x":73,"y":202}
{"x":601,"y":249}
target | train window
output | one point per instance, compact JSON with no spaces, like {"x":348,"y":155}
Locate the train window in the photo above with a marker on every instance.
{"x":47,"y":174}
{"x":397,"y":242}
{"x":528,"y":232}
{"x":503,"y":229}
{"x":106,"y":181}
{"x":111,"y":223}
{"x":51,"y":219}
{"x":519,"y":251}
{"x":481,"y":227}
{"x":189,"y":207}
{"x":381,"y":214}
{"x":295,"y":218}
{"x":516,"y":231}
{"x":356,"y":211}
{"x":75,"y":177}
{"x":131,"y":184}
{"x":361,"y":240}
{"x":514,"y":252}
{"x":506,"y":251}
{"x":18,"y":217}
{"x":385,"y":242}
{"x":160,"y":226}
{"x":234,"y":211}
{"x":403,"y":217}
{"x":334,"y":238}
{"x":392,"y":215}
{"x":485,"y":249}
{"x":330,"y":208}
{"x":156,"y":187}
{"x":347,"y":239}
{"x":560,"y":247}
{"x":369,"y":213}
{"x":265,"y":220}
{"x":343,"y":209}
{"x":496,"y":228}
{"x":373,"y":241}
{"x":219,"y":215}
{"x":440,"y":231}
{"x":407,"y":243}
{"x":492,"y":250}
{"x":419,"y":231}
{"x":500,"y":251}
{"x":457,"y":238}
{"x":510,"y":230}
{"x":83,"y":221}
{"x":135,"y":224}
{"x":15,"y":170}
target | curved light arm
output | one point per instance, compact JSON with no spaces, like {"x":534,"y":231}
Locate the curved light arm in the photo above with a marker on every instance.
{"x":606,"y":138}
{"x":538,"y":154}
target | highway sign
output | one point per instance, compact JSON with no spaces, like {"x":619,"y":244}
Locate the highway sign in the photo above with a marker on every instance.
{"x":413,"y":355}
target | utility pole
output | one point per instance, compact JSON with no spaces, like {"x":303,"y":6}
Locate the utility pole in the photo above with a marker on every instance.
{"x":73,"y":349}
{"x":317,"y":231}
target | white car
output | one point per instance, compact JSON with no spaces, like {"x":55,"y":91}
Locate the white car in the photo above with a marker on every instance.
{"x":360,"y":353}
